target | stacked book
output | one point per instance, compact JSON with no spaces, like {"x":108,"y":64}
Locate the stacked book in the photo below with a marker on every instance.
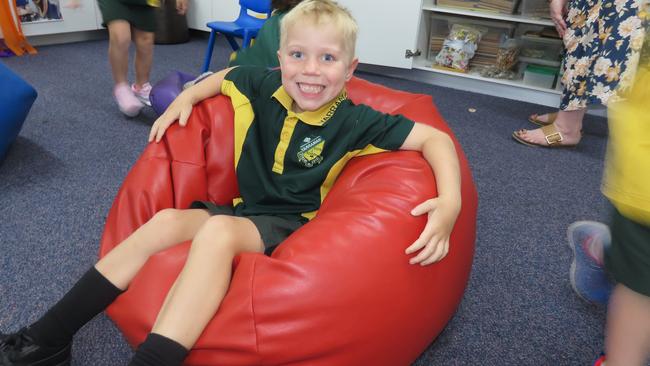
{"x":499,"y":6}
{"x":488,"y":47}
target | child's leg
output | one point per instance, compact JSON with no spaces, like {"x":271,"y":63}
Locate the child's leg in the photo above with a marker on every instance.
{"x":119,"y":40}
{"x":627,"y":338}
{"x":197,"y":293}
{"x":100,"y":286}
{"x":143,"y":56}
{"x":165,"y":229}
{"x":205,"y":276}
{"x":118,"y":54}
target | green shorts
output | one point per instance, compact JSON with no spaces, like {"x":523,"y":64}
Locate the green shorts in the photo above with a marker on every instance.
{"x":141,"y":17}
{"x":273,"y":229}
{"x":628,"y":259}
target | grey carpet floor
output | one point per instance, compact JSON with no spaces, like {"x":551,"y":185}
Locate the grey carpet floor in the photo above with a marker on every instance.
{"x":59,"y":179}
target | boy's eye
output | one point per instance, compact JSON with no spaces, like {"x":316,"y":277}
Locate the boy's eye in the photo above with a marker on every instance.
{"x":328,"y":57}
{"x":296,"y":54}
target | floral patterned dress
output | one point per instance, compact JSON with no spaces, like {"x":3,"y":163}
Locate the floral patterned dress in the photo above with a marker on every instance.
{"x":602,"y":46}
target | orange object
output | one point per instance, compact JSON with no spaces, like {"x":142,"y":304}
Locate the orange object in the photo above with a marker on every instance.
{"x":12,"y":31}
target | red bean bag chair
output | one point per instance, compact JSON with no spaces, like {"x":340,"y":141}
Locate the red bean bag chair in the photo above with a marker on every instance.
{"x":340,"y":290}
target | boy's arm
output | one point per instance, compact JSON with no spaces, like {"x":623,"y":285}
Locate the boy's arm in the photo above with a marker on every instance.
{"x":181,"y":107}
{"x":439,"y":151}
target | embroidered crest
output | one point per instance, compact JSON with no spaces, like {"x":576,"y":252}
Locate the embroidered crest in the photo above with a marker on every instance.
{"x":310,"y":151}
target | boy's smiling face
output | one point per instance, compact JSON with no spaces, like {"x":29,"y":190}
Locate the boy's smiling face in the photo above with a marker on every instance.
{"x":315,"y":65}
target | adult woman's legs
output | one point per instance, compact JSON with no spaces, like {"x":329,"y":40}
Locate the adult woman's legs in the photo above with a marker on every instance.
{"x":567,"y":123}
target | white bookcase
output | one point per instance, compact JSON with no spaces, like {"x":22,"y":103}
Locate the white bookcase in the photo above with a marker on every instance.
{"x":390,"y":30}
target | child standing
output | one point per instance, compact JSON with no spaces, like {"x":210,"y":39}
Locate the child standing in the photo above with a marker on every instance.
{"x":276,"y":111}
{"x":128,"y":20}
{"x":627,"y":257}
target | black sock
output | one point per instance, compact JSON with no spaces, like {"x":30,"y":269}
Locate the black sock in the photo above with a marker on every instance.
{"x":159,"y":350}
{"x":87,"y":298}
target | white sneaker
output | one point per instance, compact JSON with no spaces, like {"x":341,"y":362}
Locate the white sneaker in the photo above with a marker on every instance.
{"x":128,"y":103}
{"x":142,"y":93}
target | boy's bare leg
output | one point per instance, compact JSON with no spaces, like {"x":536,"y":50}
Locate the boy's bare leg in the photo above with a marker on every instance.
{"x":165,"y":229}
{"x":204,"y":280}
{"x":143,"y":55}
{"x":118,"y":49}
{"x":627,"y":341}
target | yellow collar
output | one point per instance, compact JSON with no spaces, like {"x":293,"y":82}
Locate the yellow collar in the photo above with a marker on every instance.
{"x":314,"y":118}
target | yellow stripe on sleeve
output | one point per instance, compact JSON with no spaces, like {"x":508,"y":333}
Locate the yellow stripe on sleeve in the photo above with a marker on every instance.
{"x":244,"y":115}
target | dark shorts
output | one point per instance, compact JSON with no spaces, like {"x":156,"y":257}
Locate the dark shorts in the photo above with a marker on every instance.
{"x":628,"y":259}
{"x":273,"y":229}
{"x":141,"y":17}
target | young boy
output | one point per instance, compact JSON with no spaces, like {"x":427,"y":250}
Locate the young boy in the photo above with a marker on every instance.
{"x":294,"y":131}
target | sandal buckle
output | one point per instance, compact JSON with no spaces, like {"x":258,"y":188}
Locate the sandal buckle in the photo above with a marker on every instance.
{"x":553,"y":138}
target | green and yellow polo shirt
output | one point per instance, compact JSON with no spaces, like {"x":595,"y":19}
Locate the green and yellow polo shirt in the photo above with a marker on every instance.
{"x":287,"y":162}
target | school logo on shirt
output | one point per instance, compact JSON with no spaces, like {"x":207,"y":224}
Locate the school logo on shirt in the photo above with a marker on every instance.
{"x":309,"y":153}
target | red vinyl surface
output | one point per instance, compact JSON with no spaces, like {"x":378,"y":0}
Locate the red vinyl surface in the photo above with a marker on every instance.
{"x":340,"y":290}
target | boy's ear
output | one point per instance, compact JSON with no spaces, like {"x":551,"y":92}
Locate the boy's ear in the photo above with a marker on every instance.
{"x":351,"y":68}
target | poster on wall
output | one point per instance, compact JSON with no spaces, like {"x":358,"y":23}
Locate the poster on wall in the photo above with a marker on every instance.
{"x":38,"y":10}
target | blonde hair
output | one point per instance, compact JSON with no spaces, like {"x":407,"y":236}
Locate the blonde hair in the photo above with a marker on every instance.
{"x":321,"y":12}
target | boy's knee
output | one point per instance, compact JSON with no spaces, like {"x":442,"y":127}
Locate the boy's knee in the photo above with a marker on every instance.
{"x":167,"y":215}
{"x":144,"y":40}
{"x":121,"y":41}
{"x":218,"y":233}
{"x":166,"y":221}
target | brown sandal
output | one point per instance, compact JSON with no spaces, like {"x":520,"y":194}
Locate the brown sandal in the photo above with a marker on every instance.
{"x":551,"y":134}
{"x":534,"y":118}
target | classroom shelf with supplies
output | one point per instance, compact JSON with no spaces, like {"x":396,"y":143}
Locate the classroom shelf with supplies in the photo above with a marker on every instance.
{"x":403,"y":41}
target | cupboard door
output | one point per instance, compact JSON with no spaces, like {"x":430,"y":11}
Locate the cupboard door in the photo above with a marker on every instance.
{"x":200,"y":12}
{"x":387,"y":29}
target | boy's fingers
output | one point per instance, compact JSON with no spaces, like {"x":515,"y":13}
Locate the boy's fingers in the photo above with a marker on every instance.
{"x":154,"y":130}
{"x":439,"y":253}
{"x":417,"y":245}
{"x":422,"y":240}
{"x":424,"y":254}
{"x":423,"y":207}
{"x":151,"y":133}
{"x":185,"y":115}
{"x":160,"y":133}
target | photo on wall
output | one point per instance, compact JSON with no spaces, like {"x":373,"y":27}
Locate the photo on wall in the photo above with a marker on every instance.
{"x":38,"y":10}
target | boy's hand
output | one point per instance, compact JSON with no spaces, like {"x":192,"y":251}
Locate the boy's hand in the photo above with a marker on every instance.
{"x":180,"y":109}
{"x":434,"y":240}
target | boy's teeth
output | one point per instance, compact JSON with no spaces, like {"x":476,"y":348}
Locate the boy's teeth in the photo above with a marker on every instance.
{"x":310,"y":88}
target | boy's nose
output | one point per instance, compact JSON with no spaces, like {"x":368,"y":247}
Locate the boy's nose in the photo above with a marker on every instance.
{"x":311,"y":66}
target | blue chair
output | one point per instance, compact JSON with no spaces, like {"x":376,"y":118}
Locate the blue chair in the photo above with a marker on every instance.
{"x":245,"y":27}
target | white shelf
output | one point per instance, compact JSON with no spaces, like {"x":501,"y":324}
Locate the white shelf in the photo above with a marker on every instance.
{"x":423,"y":64}
{"x":428,"y":5}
